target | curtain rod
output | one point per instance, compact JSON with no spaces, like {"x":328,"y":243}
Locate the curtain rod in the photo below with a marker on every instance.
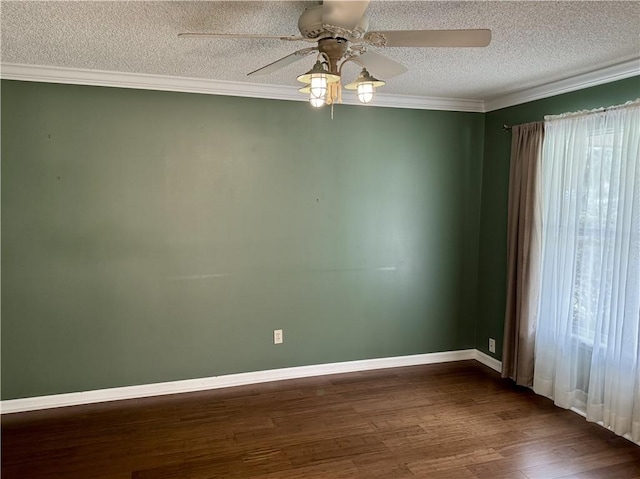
{"x":506,"y":127}
{"x":630,"y":103}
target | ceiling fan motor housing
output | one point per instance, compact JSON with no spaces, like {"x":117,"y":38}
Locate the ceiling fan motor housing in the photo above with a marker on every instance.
{"x":311,"y":25}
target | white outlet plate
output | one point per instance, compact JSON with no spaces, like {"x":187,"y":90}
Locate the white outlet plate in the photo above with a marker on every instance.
{"x":277,"y":336}
{"x":492,"y":345}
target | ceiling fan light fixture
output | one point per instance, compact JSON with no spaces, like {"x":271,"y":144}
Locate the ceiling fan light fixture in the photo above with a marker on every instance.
{"x":316,"y":100}
{"x":318,"y":80}
{"x":318,"y":85}
{"x":365,"y":92}
{"x":318,"y":71}
{"x":341,"y":30}
{"x":365,"y":85}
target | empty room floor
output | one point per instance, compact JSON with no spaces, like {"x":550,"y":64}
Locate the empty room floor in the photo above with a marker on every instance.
{"x":454,"y":420}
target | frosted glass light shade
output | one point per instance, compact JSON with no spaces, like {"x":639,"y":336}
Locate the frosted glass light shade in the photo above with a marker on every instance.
{"x":316,"y":102}
{"x":318,"y":85}
{"x":365,"y":92}
{"x":365,"y":85}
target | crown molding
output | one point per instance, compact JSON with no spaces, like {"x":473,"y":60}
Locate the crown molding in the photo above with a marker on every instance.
{"x":75,"y":76}
{"x":423,"y":103}
{"x":609,"y":74}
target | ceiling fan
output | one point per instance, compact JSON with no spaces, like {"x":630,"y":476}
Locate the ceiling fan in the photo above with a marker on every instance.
{"x":340,"y":30}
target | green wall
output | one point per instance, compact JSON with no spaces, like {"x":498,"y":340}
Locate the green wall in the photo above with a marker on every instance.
{"x":155,"y":236}
{"x":495,"y":188}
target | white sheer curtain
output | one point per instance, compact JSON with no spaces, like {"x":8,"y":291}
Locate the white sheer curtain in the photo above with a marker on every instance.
{"x":588,"y":336}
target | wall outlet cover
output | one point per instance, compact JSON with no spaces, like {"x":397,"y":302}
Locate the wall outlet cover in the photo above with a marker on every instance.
{"x":492,"y":345}
{"x":277,"y":336}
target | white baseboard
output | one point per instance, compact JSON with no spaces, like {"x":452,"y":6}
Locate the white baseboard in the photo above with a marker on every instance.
{"x":216,"y":382}
{"x":487,"y":360}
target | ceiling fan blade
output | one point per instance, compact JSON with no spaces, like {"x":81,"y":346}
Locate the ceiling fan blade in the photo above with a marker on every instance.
{"x":343,"y":13}
{"x":240,"y":35}
{"x":283,"y":62}
{"x":430,"y":38}
{"x":380,"y":66}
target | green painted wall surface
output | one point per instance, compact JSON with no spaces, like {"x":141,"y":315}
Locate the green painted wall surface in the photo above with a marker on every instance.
{"x":495,"y":190}
{"x":154,"y":236}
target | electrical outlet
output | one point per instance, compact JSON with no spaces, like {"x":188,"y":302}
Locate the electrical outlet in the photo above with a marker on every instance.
{"x":492,"y":345}
{"x":277,"y":336}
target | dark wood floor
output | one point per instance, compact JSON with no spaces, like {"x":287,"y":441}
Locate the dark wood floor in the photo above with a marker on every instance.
{"x":453,"y":421}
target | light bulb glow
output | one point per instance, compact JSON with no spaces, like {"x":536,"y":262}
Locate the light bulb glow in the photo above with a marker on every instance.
{"x":316,"y":102}
{"x":365,"y":86}
{"x":365,"y":92}
{"x":318,"y":85}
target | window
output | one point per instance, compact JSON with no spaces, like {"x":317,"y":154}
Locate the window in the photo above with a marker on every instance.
{"x":587,"y":350}
{"x":596,"y":229}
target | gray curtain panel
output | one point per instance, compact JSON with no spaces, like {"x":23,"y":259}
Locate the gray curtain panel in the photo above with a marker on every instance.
{"x":523,"y":255}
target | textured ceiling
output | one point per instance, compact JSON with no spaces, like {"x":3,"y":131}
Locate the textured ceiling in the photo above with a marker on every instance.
{"x":533,"y":42}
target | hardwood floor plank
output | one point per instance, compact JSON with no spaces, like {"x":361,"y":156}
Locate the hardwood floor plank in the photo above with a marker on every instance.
{"x":626,"y":470}
{"x":456,"y":473}
{"x":452,"y":461}
{"x":580,"y":465}
{"x":332,"y":449}
{"x":344,"y":469}
{"x":504,"y":468}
